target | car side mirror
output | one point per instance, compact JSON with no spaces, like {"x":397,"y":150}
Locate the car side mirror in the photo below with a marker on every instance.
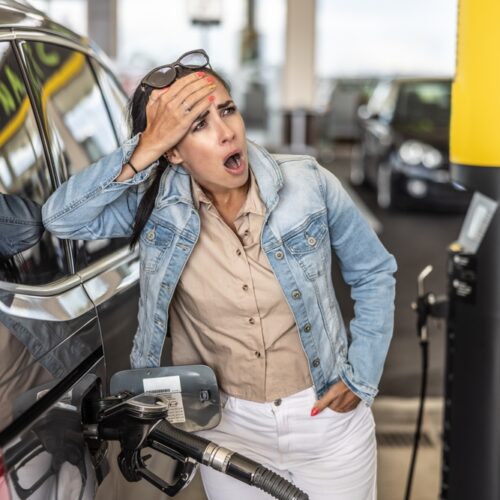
{"x":365,"y":114}
{"x":190,"y":390}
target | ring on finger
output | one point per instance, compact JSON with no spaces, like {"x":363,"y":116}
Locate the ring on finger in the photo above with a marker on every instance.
{"x":186,"y":106}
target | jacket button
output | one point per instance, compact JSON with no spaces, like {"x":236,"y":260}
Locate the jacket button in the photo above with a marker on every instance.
{"x":257,"y":354}
{"x":245,"y":287}
{"x":316,"y":363}
{"x":277,"y":402}
{"x":296,"y":294}
{"x":307,"y":328}
{"x":279,"y":254}
{"x":151,"y":235}
{"x":311,"y":240}
{"x":251,"y":321}
{"x":238,"y":252}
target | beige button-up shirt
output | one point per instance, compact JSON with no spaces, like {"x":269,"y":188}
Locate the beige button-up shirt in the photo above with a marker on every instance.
{"x":229,"y":311}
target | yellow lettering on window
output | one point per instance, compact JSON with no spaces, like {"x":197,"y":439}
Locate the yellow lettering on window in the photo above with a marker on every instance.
{"x":6,"y":100}
{"x":47,"y":58}
{"x":16,"y":84}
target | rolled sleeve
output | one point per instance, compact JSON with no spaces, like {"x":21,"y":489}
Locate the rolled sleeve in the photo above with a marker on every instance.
{"x":368,"y":269}
{"x":92,"y":204}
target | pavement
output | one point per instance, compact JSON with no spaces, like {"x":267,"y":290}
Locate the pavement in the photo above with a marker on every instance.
{"x":395,"y":419}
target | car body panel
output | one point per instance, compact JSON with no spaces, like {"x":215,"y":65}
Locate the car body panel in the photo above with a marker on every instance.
{"x":68,"y":309}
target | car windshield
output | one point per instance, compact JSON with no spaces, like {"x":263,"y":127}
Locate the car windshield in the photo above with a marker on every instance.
{"x":424,"y":107}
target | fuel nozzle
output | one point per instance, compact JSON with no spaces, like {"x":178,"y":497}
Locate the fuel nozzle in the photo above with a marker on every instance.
{"x":129,"y":420}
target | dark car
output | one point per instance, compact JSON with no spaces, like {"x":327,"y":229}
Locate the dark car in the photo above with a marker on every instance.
{"x":404,"y":150}
{"x":67,"y":308}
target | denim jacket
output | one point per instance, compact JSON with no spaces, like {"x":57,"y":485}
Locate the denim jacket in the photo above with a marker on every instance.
{"x":308,"y":214}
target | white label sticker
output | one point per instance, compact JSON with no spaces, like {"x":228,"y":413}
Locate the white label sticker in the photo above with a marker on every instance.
{"x":162,"y":384}
{"x":175,"y":414}
{"x":169,"y":389}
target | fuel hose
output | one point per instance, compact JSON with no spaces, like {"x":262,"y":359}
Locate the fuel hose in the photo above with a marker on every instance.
{"x":223,"y":460}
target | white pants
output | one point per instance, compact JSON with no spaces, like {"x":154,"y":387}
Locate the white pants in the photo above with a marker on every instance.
{"x":330,"y":456}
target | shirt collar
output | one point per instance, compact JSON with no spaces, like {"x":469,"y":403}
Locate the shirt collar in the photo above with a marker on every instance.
{"x":252,"y":204}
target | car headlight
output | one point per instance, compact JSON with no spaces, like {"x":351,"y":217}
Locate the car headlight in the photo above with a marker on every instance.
{"x":417,"y":153}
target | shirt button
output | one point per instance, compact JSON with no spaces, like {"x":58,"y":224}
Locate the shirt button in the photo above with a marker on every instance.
{"x":245,"y":287}
{"x":307,"y":328}
{"x":279,"y":254}
{"x":316,"y":363}
{"x":238,"y":252}
{"x":257,"y":354}
{"x":311,"y":240}
{"x":296,"y":294}
{"x":246,"y":233}
{"x":251,"y":321}
{"x":277,"y":402}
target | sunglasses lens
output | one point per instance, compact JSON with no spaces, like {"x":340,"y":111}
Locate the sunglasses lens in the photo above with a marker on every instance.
{"x":194,"y":60}
{"x":161,"y":77}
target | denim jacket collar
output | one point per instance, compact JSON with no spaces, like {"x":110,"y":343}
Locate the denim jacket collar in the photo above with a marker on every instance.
{"x":175,"y":184}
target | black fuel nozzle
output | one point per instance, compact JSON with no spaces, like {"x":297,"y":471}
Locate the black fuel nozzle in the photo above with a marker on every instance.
{"x":428,"y":305}
{"x":129,"y":420}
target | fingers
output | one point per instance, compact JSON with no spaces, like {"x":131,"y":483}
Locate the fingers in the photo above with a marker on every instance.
{"x":156,"y":93}
{"x":197,"y":102}
{"x":338,"y":398}
{"x":193,"y":92}
{"x":182,"y":97}
{"x":323,"y":402}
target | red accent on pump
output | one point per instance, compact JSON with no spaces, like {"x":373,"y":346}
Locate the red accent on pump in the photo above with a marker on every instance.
{"x":4,"y":487}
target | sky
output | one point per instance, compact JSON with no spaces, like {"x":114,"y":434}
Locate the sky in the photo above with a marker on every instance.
{"x":354,"y":37}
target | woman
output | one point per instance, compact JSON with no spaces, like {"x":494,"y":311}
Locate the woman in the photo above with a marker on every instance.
{"x":235,"y":249}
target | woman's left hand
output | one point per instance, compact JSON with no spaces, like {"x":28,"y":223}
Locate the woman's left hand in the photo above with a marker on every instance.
{"x":338,"y":398}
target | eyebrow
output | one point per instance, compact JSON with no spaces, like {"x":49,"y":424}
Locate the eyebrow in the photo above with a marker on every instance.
{"x":219,"y":106}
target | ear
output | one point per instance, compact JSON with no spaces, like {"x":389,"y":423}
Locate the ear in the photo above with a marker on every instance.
{"x":173,"y":156}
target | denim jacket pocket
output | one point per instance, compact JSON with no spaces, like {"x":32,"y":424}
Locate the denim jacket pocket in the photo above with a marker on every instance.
{"x":306,"y":245}
{"x":155,"y":240}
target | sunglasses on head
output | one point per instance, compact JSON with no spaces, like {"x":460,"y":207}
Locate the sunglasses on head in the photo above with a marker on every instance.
{"x":165,"y":75}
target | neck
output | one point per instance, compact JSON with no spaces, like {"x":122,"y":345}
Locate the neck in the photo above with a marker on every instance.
{"x":230,"y":199}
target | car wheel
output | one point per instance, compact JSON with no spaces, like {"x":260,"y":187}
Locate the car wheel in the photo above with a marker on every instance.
{"x":385,"y":193}
{"x":357,"y":170}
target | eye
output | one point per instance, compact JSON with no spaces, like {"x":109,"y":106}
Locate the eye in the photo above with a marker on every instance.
{"x":200,"y":125}
{"x":229,"y":110}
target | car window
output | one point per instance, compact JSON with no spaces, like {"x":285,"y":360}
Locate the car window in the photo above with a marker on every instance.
{"x":116,"y":100}
{"x":25,"y":184}
{"x":79,"y":127}
{"x":425,"y":105}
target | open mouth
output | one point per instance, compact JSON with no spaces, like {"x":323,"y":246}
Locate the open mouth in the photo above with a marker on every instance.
{"x":233,"y":161}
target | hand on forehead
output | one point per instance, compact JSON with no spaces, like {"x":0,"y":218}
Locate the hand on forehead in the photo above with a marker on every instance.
{"x":180,"y":84}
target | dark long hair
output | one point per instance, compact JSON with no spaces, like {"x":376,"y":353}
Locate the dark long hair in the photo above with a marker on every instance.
{"x":137,"y":113}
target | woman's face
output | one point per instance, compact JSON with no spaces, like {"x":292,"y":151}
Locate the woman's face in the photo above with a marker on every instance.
{"x":214,"y":150}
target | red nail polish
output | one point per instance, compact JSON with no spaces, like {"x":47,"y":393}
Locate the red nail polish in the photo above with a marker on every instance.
{"x":210,"y":79}
{"x":314,"y":412}
{"x":211,"y":98}
{"x":200,"y":74}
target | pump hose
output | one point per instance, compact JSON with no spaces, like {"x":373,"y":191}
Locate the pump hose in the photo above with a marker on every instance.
{"x":233,"y":464}
{"x":418,"y":429}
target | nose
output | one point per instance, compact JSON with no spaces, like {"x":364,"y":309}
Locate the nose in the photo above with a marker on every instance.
{"x":224,"y":132}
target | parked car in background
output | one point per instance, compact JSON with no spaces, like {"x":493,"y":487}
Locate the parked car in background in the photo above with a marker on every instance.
{"x":404,"y":147}
{"x":340,"y":122}
{"x":68,"y":309}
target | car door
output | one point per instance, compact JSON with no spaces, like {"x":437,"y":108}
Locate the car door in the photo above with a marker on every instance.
{"x":85,"y":117}
{"x":50,"y":342}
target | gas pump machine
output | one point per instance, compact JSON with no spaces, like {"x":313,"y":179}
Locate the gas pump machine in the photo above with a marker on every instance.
{"x":471,"y":448}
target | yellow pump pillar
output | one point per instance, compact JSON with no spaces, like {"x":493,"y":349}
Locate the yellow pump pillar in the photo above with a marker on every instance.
{"x":471,"y":451}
